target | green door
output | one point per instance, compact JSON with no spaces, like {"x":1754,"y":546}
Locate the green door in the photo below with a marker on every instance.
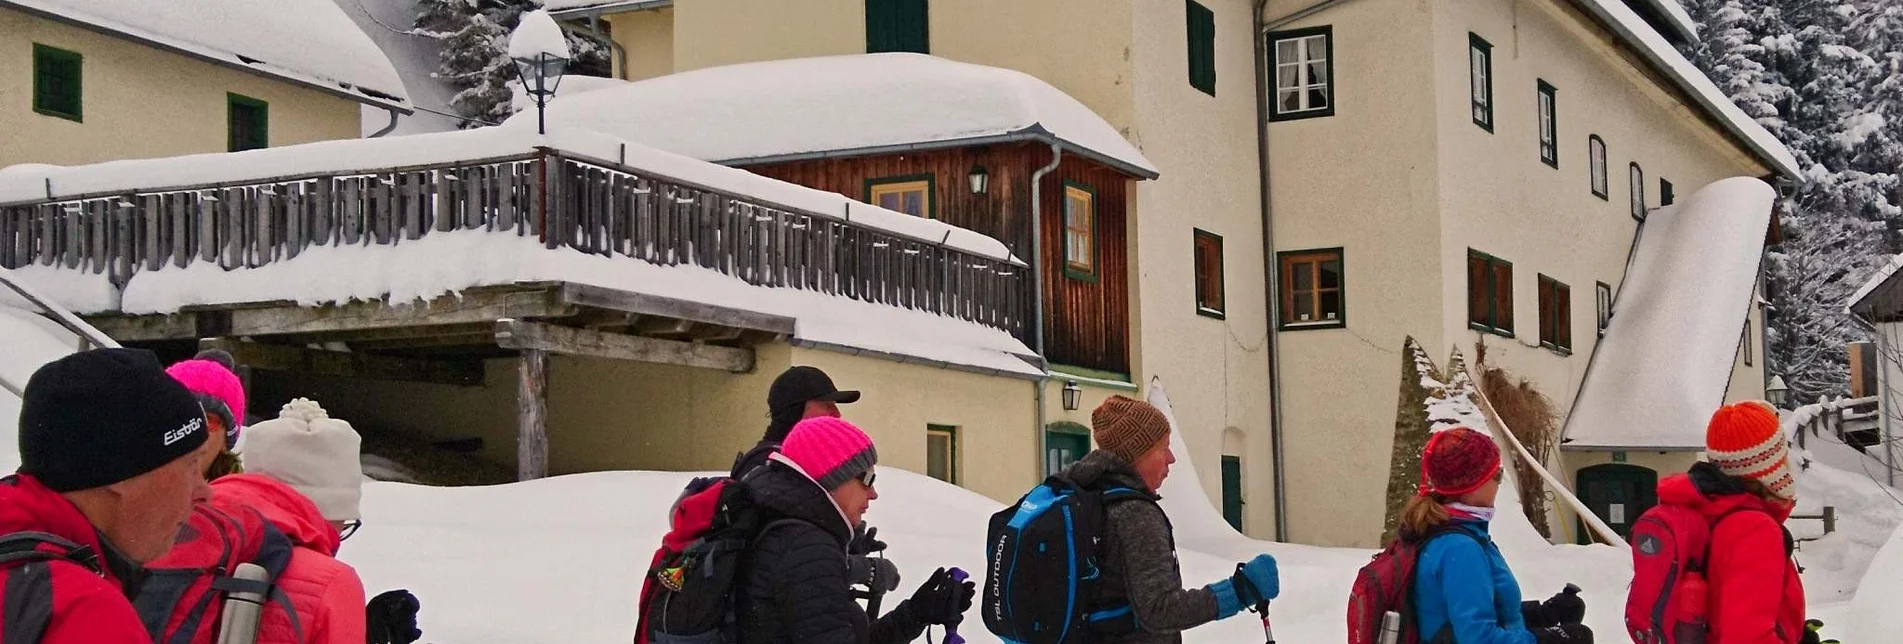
{"x":1618,"y":493}
{"x":1063,"y":448}
{"x":1232,"y":491}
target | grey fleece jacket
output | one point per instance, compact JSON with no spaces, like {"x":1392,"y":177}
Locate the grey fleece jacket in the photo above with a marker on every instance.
{"x":1142,"y":557}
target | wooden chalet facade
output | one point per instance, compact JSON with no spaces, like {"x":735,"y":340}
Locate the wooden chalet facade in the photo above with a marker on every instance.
{"x":1084,"y":241}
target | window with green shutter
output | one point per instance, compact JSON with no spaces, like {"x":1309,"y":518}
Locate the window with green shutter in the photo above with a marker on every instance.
{"x":56,"y":82}
{"x":1202,"y":47}
{"x":247,"y":123}
{"x":897,"y":25}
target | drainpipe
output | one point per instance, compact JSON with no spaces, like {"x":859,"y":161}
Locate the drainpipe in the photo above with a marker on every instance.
{"x":621,"y":53}
{"x":387,"y":128}
{"x":1037,"y":286}
{"x":1269,"y":268}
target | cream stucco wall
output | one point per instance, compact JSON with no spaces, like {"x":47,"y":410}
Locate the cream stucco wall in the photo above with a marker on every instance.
{"x":608,"y":414}
{"x":140,"y":102}
{"x":1215,"y":370}
{"x":647,"y":38}
{"x":709,"y":33}
{"x":1364,"y":181}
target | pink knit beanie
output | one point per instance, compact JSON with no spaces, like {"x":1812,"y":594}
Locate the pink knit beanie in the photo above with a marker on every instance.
{"x":832,"y":451}
{"x":206,"y":376}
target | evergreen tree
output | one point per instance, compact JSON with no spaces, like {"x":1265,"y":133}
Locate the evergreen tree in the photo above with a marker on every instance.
{"x":475,"y":53}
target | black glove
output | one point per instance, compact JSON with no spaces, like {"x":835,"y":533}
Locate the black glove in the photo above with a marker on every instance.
{"x":942,"y":601}
{"x":1564,"y":634}
{"x":865,"y":541}
{"x":1810,"y":637}
{"x":391,"y":618}
{"x":1535,"y":616}
{"x":877,"y":574}
{"x":1565,"y":607}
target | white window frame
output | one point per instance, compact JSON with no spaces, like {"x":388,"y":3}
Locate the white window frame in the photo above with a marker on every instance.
{"x":1636,"y":176}
{"x":1549,"y":123}
{"x":1304,"y":42}
{"x":1480,"y":77}
{"x":1596,"y":154}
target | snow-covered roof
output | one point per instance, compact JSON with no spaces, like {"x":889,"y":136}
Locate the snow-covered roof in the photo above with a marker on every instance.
{"x":1675,"y":17}
{"x":786,"y":110}
{"x":307,"y":42}
{"x":31,"y":183}
{"x":1666,"y":360}
{"x":577,"y":8}
{"x":1653,"y":46}
{"x":415,"y":57}
{"x":1877,"y":282}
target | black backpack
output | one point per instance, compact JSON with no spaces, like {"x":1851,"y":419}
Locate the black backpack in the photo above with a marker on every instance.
{"x":1042,"y":565}
{"x":688,"y":594}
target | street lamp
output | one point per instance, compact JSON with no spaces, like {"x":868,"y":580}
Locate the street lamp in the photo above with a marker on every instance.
{"x":1776,"y":392}
{"x":979,"y":179}
{"x":1071,"y":393}
{"x":541,"y":55}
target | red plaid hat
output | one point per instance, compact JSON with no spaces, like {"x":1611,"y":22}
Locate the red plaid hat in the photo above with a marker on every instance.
{"x":1457,"y":461}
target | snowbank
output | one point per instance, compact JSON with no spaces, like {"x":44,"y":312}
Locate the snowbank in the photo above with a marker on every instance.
{"x":40,"y":183}
{"x":1666,"y":359}
{"x":309,"y":42}
{"x":1872,"y":616}
{"x":442,"y":263}
{"x":754,"y":112}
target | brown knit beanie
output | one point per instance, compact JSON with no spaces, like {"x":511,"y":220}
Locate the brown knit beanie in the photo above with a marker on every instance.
{"x":1128,"y":427}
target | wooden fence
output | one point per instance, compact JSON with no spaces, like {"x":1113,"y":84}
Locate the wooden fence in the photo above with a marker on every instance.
{"x":589,"y":206}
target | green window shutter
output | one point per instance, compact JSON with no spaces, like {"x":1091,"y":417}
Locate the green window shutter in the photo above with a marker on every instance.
{"x":56,"y":82}
{"x":247,"y":123}
{"x":898,"y":26}
{"x":1202,"y":47}
{"x":1232,"y":491}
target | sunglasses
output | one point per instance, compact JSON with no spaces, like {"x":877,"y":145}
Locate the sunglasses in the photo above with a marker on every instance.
{"x":867,"y":478}
{"x":350,"y":528}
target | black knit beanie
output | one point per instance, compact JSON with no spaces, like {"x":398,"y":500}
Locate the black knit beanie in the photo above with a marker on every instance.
{"x":99,"y":417}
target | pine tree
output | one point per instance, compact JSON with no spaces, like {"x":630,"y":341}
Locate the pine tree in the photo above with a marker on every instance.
{"x":475,"y":58}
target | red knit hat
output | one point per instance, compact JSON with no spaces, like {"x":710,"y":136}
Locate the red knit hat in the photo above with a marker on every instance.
{"x":832,"y":451}
{"x":1743,"y":440}
{"x":1457,"y":461}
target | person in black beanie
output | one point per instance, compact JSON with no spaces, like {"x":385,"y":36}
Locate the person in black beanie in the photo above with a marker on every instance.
{"x":111,"y":455}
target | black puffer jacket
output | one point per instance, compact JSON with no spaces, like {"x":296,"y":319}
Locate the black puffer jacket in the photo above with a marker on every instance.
{"x":795,"y":588}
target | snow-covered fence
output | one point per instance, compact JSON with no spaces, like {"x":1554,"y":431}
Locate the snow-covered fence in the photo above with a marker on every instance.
{"x":566,"y":201}
{"x":1835,"y":418}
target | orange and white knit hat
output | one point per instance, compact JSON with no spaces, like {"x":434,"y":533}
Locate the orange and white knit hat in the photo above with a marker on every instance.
{"x":1743,"y":440}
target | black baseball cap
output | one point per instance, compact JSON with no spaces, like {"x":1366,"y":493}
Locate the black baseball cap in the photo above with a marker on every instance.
{"x":801,"y":384}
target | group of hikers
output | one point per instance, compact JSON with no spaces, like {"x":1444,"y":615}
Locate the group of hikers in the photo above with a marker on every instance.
{"x":133,"y":518}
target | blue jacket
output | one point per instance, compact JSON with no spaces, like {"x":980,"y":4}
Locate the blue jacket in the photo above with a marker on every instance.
{"x":1459,"y":582}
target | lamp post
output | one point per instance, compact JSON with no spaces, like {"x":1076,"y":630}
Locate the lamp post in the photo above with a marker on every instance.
{"x":541,"y":56}
{"x":979,"y":179}
{"x":1776,"y":393}
{"x":1071,"y":393}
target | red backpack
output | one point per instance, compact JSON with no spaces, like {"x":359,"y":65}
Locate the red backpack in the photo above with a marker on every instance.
{"x":183,"y":599}
{"x":1670,"y":547}
{"x":687,"y":595}
{"x":1384,"y":586}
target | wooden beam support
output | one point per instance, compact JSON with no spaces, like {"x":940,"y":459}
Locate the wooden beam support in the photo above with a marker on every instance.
{"x":470,"y":307}
{"x":531,"y":442}
{"x":664,"y":328}
{"x":466,"y":372}
{"x":640,"y":303}
{"x":532,"y":336}
{"x":145,"y":328}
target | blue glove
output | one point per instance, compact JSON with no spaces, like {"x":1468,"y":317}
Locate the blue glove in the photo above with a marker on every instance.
{"x":1227,"y":603}
{"x":1257,"y":581}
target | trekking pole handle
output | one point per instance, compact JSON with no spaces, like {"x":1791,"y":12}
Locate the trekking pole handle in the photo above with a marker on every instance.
{"x":958,"y":576}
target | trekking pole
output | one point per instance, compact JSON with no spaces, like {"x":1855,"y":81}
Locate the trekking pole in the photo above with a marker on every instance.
{"x":1268,"y":631}
{"x":243,"y":606}
{"x":958,"y":576}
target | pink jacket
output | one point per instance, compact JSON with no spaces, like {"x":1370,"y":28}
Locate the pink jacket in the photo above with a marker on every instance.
{"x":326,"y":592}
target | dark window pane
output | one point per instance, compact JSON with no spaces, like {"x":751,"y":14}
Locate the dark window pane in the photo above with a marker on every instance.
{"x":1303,"y":276}
{"x":1304,"y":308}
{"x":1331,"y":305}
{"x":1331,"y":274}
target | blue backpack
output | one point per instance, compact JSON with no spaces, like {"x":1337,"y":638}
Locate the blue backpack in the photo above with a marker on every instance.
{"x":1042,"y":567}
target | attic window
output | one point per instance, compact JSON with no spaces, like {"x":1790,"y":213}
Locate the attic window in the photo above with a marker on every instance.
{"x":247,"y":123}
{"x":1080,"y":232}
{"x":897,"y":25}
{"x":56,"y":82}
{"x":911,"y":194}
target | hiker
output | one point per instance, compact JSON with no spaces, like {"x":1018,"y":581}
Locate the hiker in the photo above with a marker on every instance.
{"x":799,"y":393}
{"x":795,"y":588}
{"x":1140,"y":588}
{"x":303,"y":486}
{"x":1745,"y":492}
{"x":212,"y":376}
{"x":111,"y":456}
{"x":1463,"y":592}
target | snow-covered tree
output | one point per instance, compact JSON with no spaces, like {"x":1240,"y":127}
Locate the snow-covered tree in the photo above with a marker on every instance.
{"x":475,"y":59}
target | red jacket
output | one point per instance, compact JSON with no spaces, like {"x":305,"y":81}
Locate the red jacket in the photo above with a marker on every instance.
{"x":326,"y":593}
{"x":1756,"y":596}
{"x":87,"y":606}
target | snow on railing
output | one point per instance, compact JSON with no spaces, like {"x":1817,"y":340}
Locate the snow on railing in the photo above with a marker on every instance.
{"x":1833,"y":416}
{"x":578,"y":203}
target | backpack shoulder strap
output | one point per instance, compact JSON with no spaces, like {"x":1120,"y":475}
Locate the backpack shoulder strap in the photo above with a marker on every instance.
{"x":26,"y":603}
{"x":24,"y":547}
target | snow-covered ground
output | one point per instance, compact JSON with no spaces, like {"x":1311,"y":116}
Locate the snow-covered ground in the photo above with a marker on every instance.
{"x":560,"y":559}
